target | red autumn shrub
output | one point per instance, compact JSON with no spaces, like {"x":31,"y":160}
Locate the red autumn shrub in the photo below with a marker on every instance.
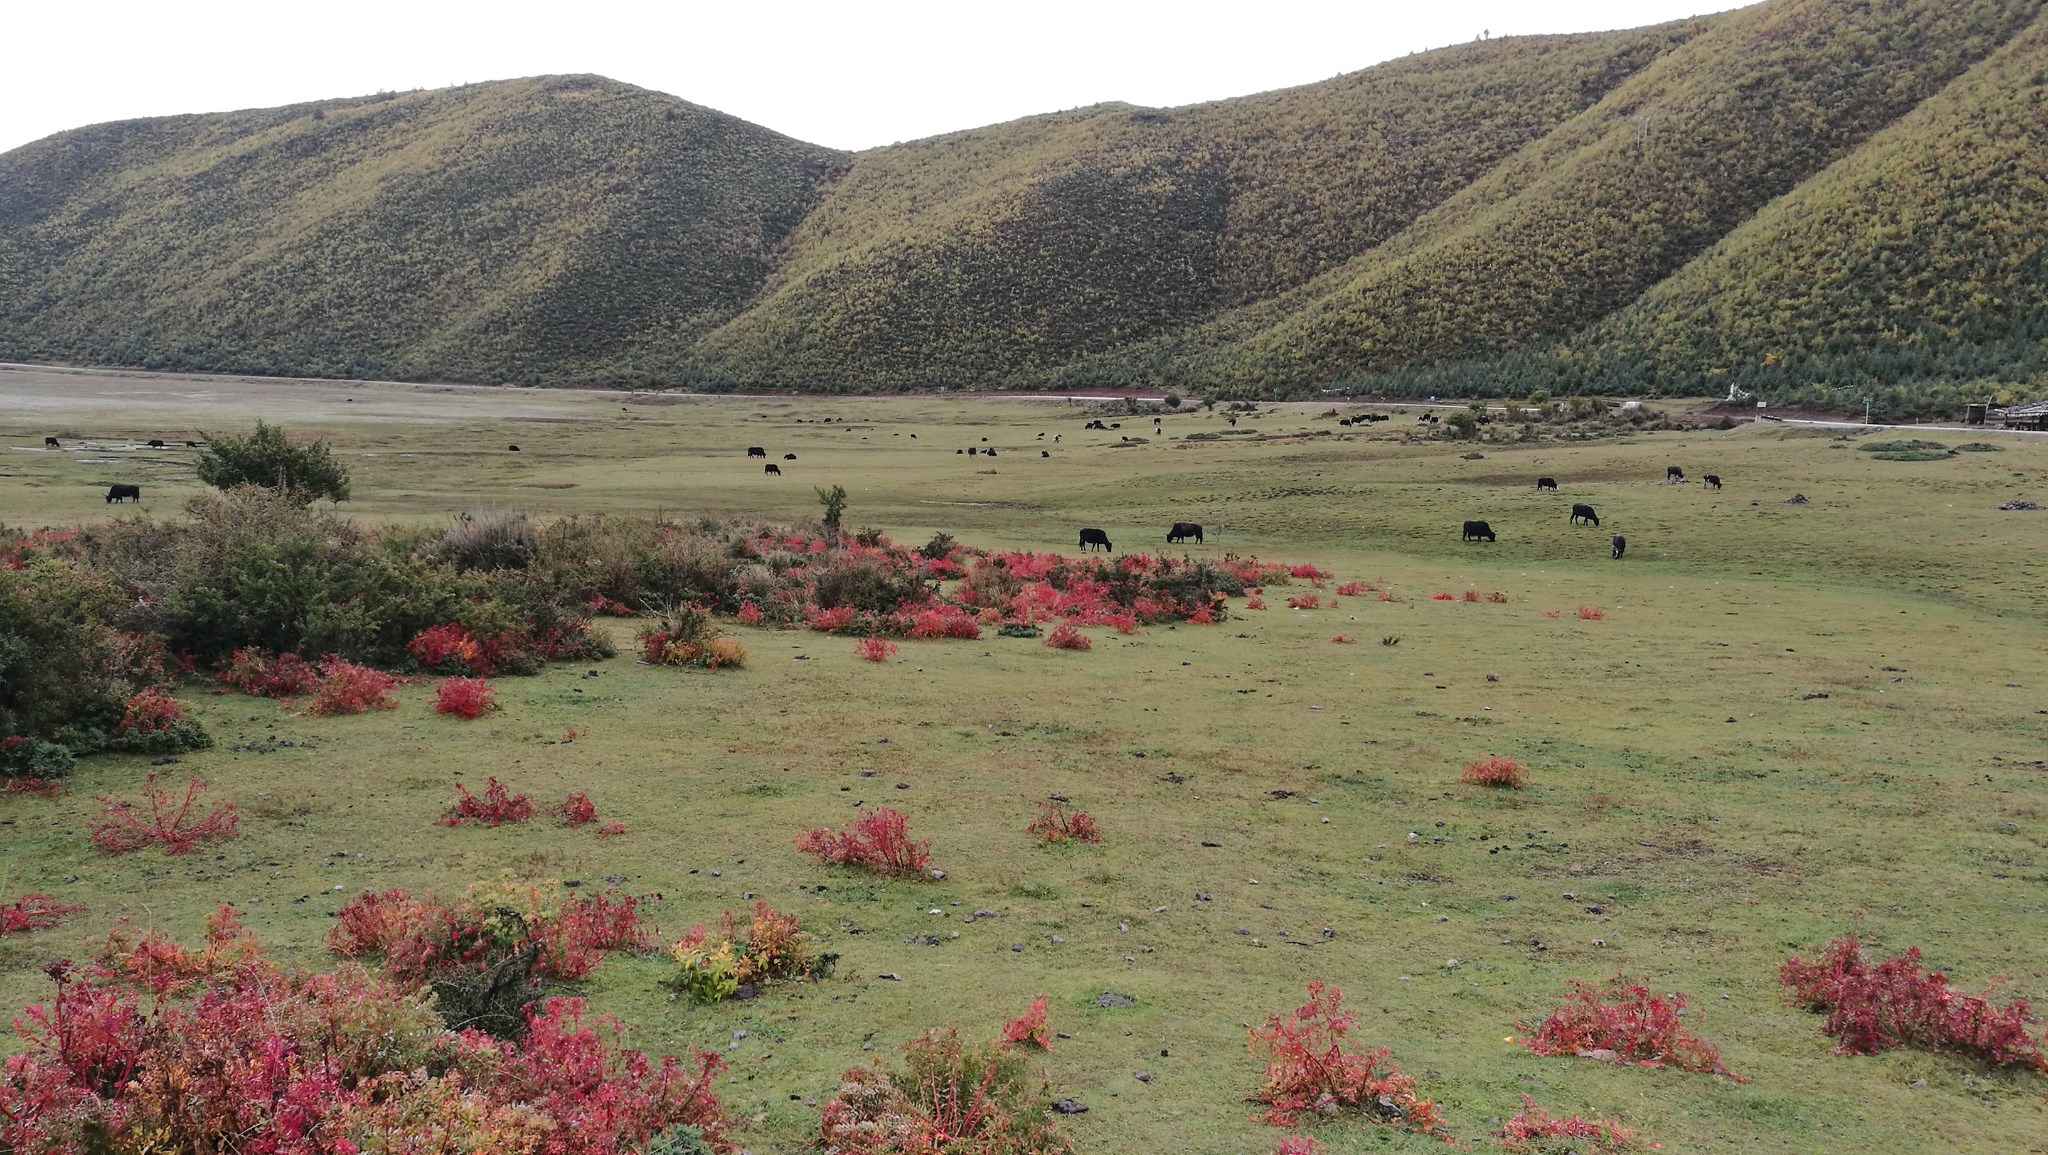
{"x":1055,"y":823}
{"x":1351,"y":590}
{"x":945,"y":621}
{"x":874,"y":648}
{"x":1531,"y":1127}
{"x":1030,"y":1027}
{"x":1342,"y":639}
{"x":167,"y":823}
{"x":1387,"y":595}
{"x":1202,"y":617}
{"x":576,"y":809}
{"x":1471,"y":595}
{"x":1441,"y":596}
{"x":880,"y":840}
{"x":951,"y":1096}
{"x":833,"y":620}
{"x":243,"y":1055}
{"x":574,"y":938}
{"x":1307,"y":571}
{"x":611,"y":830}
{"x":1309,"y":1073}
{"x":30,"y":784}
{"x":375,"y":922}
{"x":1592,"y":614}
{"x":1551,"y":613}
{"x":34,"y":912}
{"x":467,"y":698}
{"x":750,"y":614}
{"x":1297,"y":1145}
{"x":1255,"y":602}
{"x":1497,"y":597}
{"x":1066,"y":637}
{"x":1896,"y":1003}
{"x":283,"y":676}
{"x":497,"y":807}
{"x":1623,"y":1022}
{"x":347,"y":688}
{"x":1495,"y":770}
{"x":1305,"y":602}
{"x":448,"y":648}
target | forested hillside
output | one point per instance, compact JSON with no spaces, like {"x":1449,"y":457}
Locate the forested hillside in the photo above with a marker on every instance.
{"x":1797,"y":194}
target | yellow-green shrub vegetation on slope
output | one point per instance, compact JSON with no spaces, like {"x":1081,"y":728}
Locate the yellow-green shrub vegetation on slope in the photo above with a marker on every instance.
{"x":525,"y":230}
{"x":1594,"y":214}
{"x":1019,"y":247}
{"x":1920,"y":255}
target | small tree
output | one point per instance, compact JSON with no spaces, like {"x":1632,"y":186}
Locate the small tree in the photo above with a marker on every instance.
{"x":1173,"y":400}
{"x":266,"y":457}
{"x":834,"y":501}
{"x":1463,"y":423}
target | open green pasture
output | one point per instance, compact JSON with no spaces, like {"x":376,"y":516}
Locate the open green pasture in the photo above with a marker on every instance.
{"x":1793,"y":721}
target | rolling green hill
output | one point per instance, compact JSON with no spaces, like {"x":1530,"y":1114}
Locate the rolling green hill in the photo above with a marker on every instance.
{"x":1799,"y":192}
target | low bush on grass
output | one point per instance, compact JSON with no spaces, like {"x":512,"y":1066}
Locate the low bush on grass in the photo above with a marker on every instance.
{"x":1352,"y":590}
{"x":1255,"y":602}
{"x":466,"y":698}
{"x":241,"y":1054}
{"x":1496,"y":771}
{"x":1911,"y":449}
{"x":1066,"y":637}
{"x":687,"y":636}
{"x":1019,"y":630}
{"x":508,"y":935}
{"x":152,"y":722}
{"x":1873,"y":1007}
{"x":1443,"y":596}
{"x":1309,"y":1073}
{"x":880,"y":840}
{"x":169,"y":822}
{"x":576,"y":809}
{"x":874,"y":648}
{"x":34,"y":912}
{"x":448,"y":648}
{"x":1592,"y":614}
{"x":768,"y":947}
{"x":1341,"y":639}
{"x":279,"y":676}
{"x":348,"y":688}
{"x":1622,"y":1021}
{"x":1536,"y":1131}
{"x":1305,"y":602}
{"x":948,"y":1095}
{"x":1056,"y":823}
{"x":1298,"y":1145}
{"x":1030,"y":1027}
{"x":496,"y":807}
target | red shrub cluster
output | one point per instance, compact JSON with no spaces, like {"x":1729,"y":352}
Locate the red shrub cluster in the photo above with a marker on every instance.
{"x":1307,"y":572}
{"x":1592,"y":614}
{"x":497,"y":807}
{"x":945,"y":621}
{"x":1352,"y":590}
{"x":282,"y":676}
{"x":1202,"y":617}
{"x":1030,"y":1027}
{"x":1530,"y":1129}
{"x":1341,"y":639}
{"x":576,"y":809}
{"x":1471,"y":595}
{"x":750,"y":614}
{"x":1066,"y":637}
{"x":1441,"y":596}
{"x":151,"y":711}
{"x":421,"y":939}
{"x":347,"y":688}
{"x":1055,"y":823}
{"x":1387,"y":595}
{"x":1897,"y":1003}
{"x":950,"y":1095}
{"x":874,"y":648}
{"x":263,"y":1059}
{"x":31,"y":784}
{"x":1255,"y":602}
{"x":449,"y":648}
{"x":1623,"y":1022}
{"x":880,"y":840}
{"x":34,"y":912}
{"x":375,"y":923}
{"x":1297,"y":1145}
{"x":1495,"y":770}
{"x":1308,"y":1071}
{"x":1305,"y":602}
{"x":467,"y":698}
{"x":1551,"y":613}
{"x":611,"y":830}
{"x":608,"y":608}
{"x":168,"y":822}
{"x":1497,"y":598}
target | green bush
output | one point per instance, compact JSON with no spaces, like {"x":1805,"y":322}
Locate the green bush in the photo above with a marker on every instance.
{"x":64,"y":675}
{"x":266,"y":457}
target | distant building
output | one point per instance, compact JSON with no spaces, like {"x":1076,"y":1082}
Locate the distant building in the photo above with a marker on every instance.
{"x":2033,"y":416}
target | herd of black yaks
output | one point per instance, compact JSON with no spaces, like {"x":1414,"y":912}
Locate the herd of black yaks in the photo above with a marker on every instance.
{"x":1673,"y":475}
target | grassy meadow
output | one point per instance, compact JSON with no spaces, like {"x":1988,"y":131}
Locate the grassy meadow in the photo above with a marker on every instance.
{"x":1792,"y":722}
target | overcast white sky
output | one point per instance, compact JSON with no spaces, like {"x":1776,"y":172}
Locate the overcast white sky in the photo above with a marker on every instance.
{"x":847,"y":75}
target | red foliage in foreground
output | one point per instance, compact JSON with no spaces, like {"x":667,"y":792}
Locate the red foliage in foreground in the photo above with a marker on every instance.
{"x":1030,"y":1027}
{"x":576,"y":809}
{"x":1896,"y":1003}
{"x":166,"y":824}
{"x":466,"y":698}
{"x":1494,"y":770}
{"x":1297,"y":1145}
{"x":1055,"y":823}
{"x":1352,"y":590}
{"x":347,"y":688}
{"x":1066,"y":637}
{"x":34,"y":912}
{"x":284,"y":676}
{"x":448,"y":648}
{"x":1308,"y":1071}
{"x":1592,"y":614}
{"x":1305,"y":602}
{"x":1623,"y":1022}
{"x":295,"y":1063}
{"x":880,"y":840}
{"x":1442,"y":596}
{"x":1532,"y":1124}
{"x":31,"y":784}
{"x":421,"y":939}
{"x":874,"y":648}
{"x":497,"y":807}
{"x":1255,"y":602}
